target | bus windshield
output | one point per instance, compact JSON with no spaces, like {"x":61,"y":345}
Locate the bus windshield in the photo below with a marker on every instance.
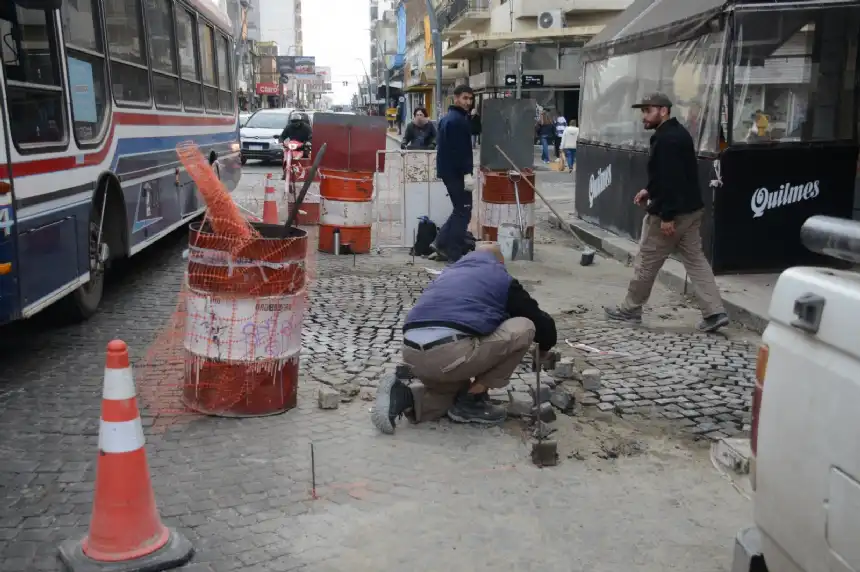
{"x":268,"y":120}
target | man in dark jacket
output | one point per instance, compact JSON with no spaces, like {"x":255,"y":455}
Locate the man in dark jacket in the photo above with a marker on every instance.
{"x":421,"y":133}
{"x":454,"y":165}
{"x":467,"y":333}
{"x":673,"y":201}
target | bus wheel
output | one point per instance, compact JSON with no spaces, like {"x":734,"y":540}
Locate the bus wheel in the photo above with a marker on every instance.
{"x":84,"y":302}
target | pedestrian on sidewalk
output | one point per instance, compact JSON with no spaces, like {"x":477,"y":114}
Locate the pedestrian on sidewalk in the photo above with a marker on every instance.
{"x":560,"y":126}
{"x":466,"y":334}
{"x":568,"y":143}
{"x":675,"y":209}
{"x":421,"y":133}
{"x":476,"y":128}
{"x":546,"y":132}
{"x":454,"y":165}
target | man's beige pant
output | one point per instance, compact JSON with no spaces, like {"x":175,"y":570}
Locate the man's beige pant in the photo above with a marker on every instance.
{"x":655,"y":248}
{"x":448,"y":369}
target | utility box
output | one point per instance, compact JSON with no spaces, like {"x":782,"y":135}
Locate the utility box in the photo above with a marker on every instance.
{"x":510,"y":124}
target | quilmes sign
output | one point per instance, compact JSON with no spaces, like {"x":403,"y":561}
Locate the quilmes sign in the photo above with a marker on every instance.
{"x":764,"y":200}
{"x":599,"y":182}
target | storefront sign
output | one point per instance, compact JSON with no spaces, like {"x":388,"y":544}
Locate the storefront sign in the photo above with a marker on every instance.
{"x":766,"y":196}
{"x":267,"y":89}
{"x":599,"y":182}
{"x":529,"y":80}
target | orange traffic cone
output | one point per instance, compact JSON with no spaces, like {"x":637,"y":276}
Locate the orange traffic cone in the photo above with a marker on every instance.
{"x":270,"y":205}
{"x":126,"y":533}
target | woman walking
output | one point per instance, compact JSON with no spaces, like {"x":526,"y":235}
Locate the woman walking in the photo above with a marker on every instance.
{"x":568,"y":143}
{"x":476,"y":128}
{"x":546,"y":132}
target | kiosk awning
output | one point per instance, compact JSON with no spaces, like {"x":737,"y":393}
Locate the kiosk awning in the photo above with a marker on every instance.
{"x":649,"y":24}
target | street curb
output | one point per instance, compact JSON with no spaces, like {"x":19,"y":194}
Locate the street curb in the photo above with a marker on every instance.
{"x":672,"y":275}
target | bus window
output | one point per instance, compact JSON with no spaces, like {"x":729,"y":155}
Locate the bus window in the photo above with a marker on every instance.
{"x":191,"y":96}
{"x":207,"y":64}
{"x":128,"y":68}
{"x":165,"y":76}
{"x":224,"y":75}
{"x":33,"y":88}
{"x":86,"y":65}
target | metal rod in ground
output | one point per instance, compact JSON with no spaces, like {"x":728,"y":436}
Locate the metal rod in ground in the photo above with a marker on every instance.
{"x":307,"y":185}
{"x":561,"y":221}
{"x":414,"y":238}
{"x":313,"y":474}
{"x":538,"y":396}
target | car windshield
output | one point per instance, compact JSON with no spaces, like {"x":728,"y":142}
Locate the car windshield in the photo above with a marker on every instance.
{"x":263,"y":120}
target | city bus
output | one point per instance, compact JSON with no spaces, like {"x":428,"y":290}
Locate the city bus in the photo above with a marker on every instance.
{"x":95,"y":95}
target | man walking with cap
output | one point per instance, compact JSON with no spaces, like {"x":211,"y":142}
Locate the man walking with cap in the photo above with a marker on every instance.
{"x":675,"y":209}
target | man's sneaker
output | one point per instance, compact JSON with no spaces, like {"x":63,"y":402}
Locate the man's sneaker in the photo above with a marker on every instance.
{"x":619,"y":314}
{"x":476,"y":408}
{"x":713,"y":323}
{"x":393,"y":400}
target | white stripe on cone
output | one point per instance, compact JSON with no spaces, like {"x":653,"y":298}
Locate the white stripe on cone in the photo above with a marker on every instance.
{"x":119,"y":384}
{"x":121,"y":436}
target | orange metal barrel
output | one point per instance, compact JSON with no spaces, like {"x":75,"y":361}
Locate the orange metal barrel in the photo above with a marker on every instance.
{"x":499,"y":204}
{"x":243,"y":329}
{"x":347,"y":207}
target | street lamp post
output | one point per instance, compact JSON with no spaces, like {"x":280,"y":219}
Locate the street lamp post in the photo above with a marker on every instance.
{"x":367,"y":77}
{"x":437,"y":49}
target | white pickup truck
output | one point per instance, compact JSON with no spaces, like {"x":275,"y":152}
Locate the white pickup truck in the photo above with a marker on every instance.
{"x":805,"y":468}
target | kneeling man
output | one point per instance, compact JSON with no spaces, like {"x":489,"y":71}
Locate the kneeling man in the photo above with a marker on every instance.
{"x":466,"y":334}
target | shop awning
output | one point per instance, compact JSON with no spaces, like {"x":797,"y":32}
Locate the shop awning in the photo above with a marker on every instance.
{"x":477,"y":43}
{"x":649,"y":24}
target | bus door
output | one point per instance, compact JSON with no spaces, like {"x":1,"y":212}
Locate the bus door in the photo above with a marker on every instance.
{"x":9,"y":303}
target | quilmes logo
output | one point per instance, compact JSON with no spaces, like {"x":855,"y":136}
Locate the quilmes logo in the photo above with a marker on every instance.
{"x":599,"y":182}
{"x":764,"y":200}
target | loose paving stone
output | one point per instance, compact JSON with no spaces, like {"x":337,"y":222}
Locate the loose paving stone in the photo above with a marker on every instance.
{"x":328,"y":398}
{"x":591,"y":379}
{"x":565,"y":368}
{"x":546,"y":413}
{"x":563,"y":400}
{"x":520,"y":405}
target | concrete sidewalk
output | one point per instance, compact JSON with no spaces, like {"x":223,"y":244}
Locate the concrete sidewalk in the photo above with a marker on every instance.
{"x":746,"y":297}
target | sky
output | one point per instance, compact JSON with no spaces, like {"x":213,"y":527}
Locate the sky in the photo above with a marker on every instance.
{"x":336,"y":33}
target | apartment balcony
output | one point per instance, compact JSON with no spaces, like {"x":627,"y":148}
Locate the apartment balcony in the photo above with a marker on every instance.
{"x":458,"y":16}
{"x":571,"y":8}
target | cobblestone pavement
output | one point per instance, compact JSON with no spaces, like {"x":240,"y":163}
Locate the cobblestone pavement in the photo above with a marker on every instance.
{"x":628,"y":495}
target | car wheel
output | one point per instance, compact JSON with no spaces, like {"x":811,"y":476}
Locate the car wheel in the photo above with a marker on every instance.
{"x":244,"y":159}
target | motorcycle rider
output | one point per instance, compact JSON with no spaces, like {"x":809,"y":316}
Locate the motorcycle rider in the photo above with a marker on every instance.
{"x":298,"y":129}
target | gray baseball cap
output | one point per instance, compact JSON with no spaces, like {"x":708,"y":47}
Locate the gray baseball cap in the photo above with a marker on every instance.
{"x":654,"y":100}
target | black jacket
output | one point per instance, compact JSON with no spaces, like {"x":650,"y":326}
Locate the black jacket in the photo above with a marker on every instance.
{"x":476,"y":124}
{"x":673,"y":175}
{"x":420,"y":137}
{"x":296,"y":132}
{"x":521,"y":305}
{"x":454,"y":145}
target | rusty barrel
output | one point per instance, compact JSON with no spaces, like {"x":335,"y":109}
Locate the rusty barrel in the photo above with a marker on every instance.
{"x":243,"y":328}
{"x":347,"y":206}
{"x":499,"y":204}
{"x":311,"y":204}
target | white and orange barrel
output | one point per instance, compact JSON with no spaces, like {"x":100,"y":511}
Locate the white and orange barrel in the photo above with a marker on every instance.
{"x":499,"y":203}
{"x":243,"y":323}
{"x":347,"y":207}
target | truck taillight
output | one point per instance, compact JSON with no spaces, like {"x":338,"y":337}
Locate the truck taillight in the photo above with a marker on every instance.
{"x":760,"y":369}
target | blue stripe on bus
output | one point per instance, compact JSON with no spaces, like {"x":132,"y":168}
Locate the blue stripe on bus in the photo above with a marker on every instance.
{"x":137,"y":145}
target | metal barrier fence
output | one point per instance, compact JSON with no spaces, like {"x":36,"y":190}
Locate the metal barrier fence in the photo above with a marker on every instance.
{"x":408,"y":189}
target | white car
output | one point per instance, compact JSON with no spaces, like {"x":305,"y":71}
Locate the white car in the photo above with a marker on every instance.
{"x":244,"y":117}
{"x":259,"y":136}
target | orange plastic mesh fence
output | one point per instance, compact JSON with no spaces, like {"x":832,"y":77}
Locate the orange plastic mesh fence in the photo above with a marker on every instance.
{"x":233,"y":345}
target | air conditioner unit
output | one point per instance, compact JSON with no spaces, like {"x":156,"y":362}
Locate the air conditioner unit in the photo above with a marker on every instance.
{"x":551,"y":20}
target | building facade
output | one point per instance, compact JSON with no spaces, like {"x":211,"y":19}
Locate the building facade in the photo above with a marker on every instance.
{"x":487,"y":41}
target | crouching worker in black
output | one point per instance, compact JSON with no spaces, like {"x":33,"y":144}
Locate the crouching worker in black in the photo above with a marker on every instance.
{"x":466,"y":334}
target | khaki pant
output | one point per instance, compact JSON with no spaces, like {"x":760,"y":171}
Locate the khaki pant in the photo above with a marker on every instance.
{"x":655,"y":248}
{"x":446,"y":370}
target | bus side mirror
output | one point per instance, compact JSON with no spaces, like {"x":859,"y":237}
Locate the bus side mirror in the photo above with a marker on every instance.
{"x":39,"y":4}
